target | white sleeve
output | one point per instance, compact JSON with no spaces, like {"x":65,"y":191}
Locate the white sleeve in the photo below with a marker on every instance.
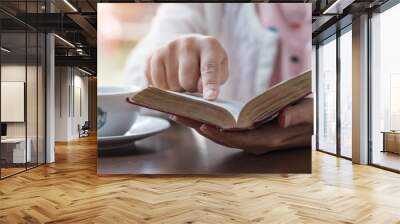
{"x":171,"y":20}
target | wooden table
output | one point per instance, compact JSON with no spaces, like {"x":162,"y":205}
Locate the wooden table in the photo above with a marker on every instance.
{"x":179,"y":150}
{"x":391,"y":141}
{"x":14,"y":152}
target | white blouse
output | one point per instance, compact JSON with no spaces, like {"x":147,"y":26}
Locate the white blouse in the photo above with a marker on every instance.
{"x":251,"y":48}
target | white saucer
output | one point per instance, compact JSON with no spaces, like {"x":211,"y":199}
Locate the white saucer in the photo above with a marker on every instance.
{"x":144,"y":126}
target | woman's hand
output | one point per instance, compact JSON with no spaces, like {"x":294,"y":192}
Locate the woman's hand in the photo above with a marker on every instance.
{"x":192,"y":63}
{"x":293,"y":130}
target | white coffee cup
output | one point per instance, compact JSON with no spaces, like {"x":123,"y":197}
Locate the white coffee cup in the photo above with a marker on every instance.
{"x":115,"y":116}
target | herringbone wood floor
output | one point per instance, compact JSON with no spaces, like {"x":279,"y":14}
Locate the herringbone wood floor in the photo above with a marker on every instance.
{"x":69,"y":191}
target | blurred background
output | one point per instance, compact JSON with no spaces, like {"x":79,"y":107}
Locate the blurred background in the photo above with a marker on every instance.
{"x":120,"y":27}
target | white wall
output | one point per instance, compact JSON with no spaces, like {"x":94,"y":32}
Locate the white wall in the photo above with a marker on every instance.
{"x":70,"y":83}
{"x":17,"y":73}
{"x":80,"y":100}
{"x":33,"y":126}
{"x":14,"y":73}
{"x":61,"y":103}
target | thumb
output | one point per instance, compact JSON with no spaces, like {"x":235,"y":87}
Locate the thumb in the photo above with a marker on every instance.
{"x":200,"y":85}
{"x":210,"y":79}
{"x":297,"y":114}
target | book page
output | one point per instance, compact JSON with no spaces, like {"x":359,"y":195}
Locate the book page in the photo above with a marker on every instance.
{"x":232,"y":106}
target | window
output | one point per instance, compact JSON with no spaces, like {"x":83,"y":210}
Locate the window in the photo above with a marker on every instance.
{"x":327,"y":96}
{"x":385,"y":89}
{"x":22,"y":75}
{"x":334,"y":106}
{"x":346,"y":93}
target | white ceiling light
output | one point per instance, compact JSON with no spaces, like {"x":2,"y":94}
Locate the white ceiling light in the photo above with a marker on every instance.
{"x":70,"y":5}
{"x":65,"y":41}
{"x":84,"y":71}
{"x":337,"y":7}
{"x":5,"y":50}
{"x":79,"y":51}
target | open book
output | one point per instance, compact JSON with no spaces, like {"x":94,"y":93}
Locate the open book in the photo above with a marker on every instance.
{"x":226,"y":114}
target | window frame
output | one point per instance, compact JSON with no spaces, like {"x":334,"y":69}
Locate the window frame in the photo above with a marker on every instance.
{"x":333,"y":37}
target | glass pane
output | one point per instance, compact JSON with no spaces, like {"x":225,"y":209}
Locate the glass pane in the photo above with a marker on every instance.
{"x":31,"y":88}
{"x":31,"y":98}
{"x":345,"y":94}
{"x":13,"y":85}
{"x":23,"y":90}
{"x":385,"y":84}
{"x":327,"y":97}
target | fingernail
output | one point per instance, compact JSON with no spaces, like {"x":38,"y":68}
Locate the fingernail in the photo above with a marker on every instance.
{"x":172,"y":117}
{"x":211,"y":92}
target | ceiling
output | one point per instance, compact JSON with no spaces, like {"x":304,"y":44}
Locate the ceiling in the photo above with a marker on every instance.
{"x":76,"y":25}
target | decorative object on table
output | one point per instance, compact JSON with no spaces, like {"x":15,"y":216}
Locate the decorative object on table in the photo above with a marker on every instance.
{"x":391,"y":141}
{"x":13,"y":151}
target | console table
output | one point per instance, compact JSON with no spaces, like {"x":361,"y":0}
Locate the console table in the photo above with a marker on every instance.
{"x":13,"y":150}
{"x":391,"y":141}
